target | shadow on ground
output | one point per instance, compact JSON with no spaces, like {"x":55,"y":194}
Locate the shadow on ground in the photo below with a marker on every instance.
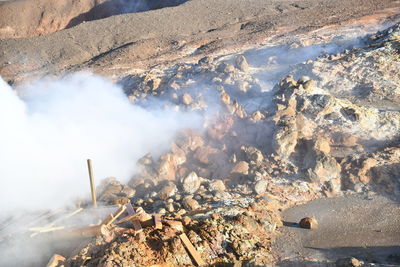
{"x":117,"y":7}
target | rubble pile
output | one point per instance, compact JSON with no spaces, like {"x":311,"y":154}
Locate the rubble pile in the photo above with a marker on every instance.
{"x":326,"y":130}
{"x":260,"y":151}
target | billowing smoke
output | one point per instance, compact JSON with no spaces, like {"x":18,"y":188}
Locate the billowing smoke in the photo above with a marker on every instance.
{"x":52,"y":126}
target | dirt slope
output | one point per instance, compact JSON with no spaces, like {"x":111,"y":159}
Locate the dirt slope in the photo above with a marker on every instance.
{"x":195,"y":28}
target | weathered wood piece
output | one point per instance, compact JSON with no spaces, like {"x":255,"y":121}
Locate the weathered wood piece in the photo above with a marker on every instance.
{"x":192,"y":251}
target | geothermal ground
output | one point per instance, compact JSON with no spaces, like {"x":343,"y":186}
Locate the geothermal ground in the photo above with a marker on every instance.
{"x":226,"y":121}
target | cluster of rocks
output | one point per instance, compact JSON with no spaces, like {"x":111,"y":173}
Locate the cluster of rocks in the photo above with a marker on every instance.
{"x":259,"y":152}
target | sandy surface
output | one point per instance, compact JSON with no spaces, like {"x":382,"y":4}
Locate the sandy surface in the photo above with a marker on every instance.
{"x":367,"y":228}
{"x":193,"y":29}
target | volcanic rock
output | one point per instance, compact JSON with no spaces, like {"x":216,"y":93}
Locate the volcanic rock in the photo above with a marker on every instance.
{"x":242,"y":167}
{"x":191,"y":183}
{"x":217,"y":185}
{"x":260,"y":187}
{"x":205,"y":154}
{"x":190,"y":204}
{"x":324,"y":168}
{"x":167,"y":191}
{"x":285,"y":137}
{"x":241,"y":63}
{"x":308,"y":223}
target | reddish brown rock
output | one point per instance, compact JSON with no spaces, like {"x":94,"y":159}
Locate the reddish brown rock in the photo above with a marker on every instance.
{"x":204,"y":154}
{"x":242,"y":167}
{"x":308,"y":223}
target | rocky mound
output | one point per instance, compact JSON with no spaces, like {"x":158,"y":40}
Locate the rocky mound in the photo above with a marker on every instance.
{"x":260,"y":152}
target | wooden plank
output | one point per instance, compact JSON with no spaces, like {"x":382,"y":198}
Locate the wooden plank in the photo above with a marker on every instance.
{"x":157,"y":221}
{"x":55,"y":260}
{"x":192,"y":251}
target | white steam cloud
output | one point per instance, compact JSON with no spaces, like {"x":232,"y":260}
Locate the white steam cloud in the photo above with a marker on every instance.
{"x":53,"y":126}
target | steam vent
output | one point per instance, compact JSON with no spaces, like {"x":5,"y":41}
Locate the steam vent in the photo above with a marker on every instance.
{"x":199,"y":133}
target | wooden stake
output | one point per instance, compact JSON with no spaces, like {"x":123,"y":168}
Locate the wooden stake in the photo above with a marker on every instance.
{"x":92,"y":188}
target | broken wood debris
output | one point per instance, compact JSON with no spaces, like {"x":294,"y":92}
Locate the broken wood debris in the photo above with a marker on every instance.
{"x":192,"y":251}
{"x":109,"y":228}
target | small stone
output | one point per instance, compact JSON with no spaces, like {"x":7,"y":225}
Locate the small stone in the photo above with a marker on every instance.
{"x":190,"y":204}
{"x":241,"y":63}
{"x":308,"y":223}
{"x":242,"y":167}
{"x":217,"y":185}
{"x":168,"y":191}
{"x":187,"y":99}
{"x":169,"y":207}
{"x":191,"y":183}
{"x":349,"y":262}
{"x":260,"y":187}
{"x":186,"y":220}
{"x":139,"y":202}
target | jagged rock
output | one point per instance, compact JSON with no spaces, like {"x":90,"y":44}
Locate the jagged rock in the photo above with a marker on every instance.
{"x":256,"y":116}
{"x":179,"y":154}
{"x":167,"y":167}
{"x":204,"y":154}
{"x":190,"y":204}
{"x":189,"y":140}
{"x":252,"y":154}
{"x":260,"y":187}
{"x":323,"y":168}
{"x":167,"y":191}
{"x":217,"y":185}
{"x":242,"y":167}
{"x":241,"y":63}
{"x":285,"y":137}
{"x":191,"y":183}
